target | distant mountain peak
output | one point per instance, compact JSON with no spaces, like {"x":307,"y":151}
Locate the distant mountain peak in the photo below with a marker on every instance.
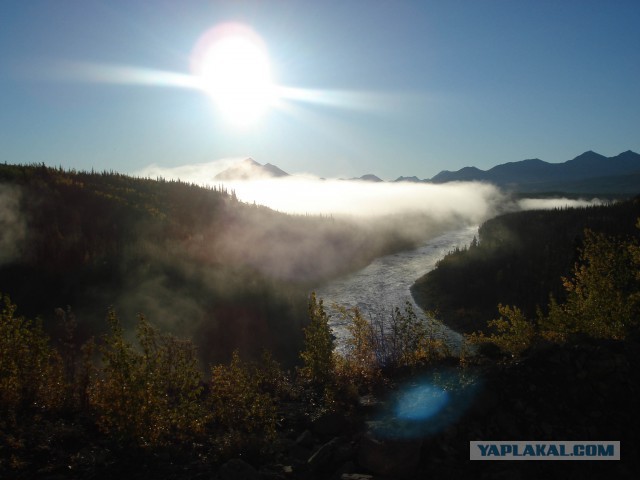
{"x":464,"y":174}
{"x":413,"y":179}
{"x":274,"y":170}
{"x":369,"y":177}
{"x":588,"y":155}
{"x":249,"y":169}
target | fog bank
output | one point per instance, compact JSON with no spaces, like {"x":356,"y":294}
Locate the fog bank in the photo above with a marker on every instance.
{"x":469,"y":202}
{"x":551,"y":203}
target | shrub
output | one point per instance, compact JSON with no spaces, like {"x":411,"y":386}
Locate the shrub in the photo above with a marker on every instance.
{"x":272,"y":379}
{"x":244,"y":415}
{"x":318,"y":356}
{"x":149,"y":397}
{"x":603,"y":296}
{"x":77,"y":361}
{"x":409,"y":341}
{"x":359,"y":366}
{"x":513,"y":332}
{"x":602,"y":300}
{"x":31,"y":371}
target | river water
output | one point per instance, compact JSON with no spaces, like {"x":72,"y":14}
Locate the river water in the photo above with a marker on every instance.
{"x":385,"y":284}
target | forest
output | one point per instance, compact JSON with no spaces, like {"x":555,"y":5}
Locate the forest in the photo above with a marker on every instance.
{"x":195,"y":260}
{"x":157,"y":329}
{"x":519,"y":259}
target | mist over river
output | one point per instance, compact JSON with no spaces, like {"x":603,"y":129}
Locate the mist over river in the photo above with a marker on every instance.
{"x":385,"y":283}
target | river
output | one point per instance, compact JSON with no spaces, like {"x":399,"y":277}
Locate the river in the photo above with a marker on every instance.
{"x":385,"y":284}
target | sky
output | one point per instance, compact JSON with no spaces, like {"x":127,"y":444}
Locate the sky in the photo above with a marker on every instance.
{"x":385,"y":87}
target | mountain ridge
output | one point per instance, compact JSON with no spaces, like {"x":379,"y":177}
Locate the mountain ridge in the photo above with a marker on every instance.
{"x":589,"y":172}
{"x":537,"y":175}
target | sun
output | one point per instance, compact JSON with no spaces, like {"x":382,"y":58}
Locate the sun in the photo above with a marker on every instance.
{"x":232,"y":66}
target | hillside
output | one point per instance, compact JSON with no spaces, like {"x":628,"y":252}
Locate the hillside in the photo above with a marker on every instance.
{"x":589,"y":172}
{"x":195,"y":260}
{"x":519,"y":259}
{"x":395,"y":405}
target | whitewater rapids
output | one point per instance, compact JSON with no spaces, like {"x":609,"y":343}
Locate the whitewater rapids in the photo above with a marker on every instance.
{"x":385,"y":284}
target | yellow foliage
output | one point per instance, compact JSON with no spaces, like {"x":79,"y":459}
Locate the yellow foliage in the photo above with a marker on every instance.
{"x":150,"y":397}
{"x":603,"y":296}
{"x":239,"y":407}
{"x":31,"y":372}
{"x":513,"y":332}
{"x":317,"y":356}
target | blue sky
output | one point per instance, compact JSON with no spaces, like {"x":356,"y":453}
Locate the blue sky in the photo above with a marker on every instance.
{"x":413,"y":87}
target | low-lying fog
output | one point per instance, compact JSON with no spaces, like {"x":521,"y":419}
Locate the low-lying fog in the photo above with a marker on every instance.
{"x":468,"y":202}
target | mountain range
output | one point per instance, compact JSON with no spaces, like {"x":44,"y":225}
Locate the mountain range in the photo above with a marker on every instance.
{"x":249,"y":169}
{"x":589,"y":172}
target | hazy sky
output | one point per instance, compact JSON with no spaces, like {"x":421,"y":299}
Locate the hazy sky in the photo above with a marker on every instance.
{"x":390,"y":87}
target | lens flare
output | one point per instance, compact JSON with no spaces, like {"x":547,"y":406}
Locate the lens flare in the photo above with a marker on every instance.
{"x":421,"y":402}
{"x":427,"y":405}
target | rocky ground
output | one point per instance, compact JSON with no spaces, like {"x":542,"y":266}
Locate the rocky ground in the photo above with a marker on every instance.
{"x":584,"y":390}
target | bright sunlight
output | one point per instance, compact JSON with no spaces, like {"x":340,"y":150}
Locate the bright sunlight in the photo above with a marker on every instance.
{"x":232,"y":63}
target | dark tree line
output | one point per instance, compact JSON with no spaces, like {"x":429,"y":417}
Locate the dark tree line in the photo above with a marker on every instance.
{"x":518,"y":259}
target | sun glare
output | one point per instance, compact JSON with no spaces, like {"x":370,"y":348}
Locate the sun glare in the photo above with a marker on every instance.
{"x":232,"y":64}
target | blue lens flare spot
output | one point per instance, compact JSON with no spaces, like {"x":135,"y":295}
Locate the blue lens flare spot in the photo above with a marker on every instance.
{"x":421,"y":402}
{"x":426,"y":404}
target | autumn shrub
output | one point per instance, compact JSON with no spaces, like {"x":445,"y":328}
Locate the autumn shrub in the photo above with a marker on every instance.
{"x":272,"y":379}
{"x":512,"y":332}
{"x":318,"y":353}
{"x":77,"y":361}
{"x":149,"y":396}
{"x":31,"y":371}
{"x":358,"y":367}
{"x":602,"y":300}
{"x":375,"y":350}
{"x":242,"y":413}
{"x":602,"y":296}
{"x":408,"y":341}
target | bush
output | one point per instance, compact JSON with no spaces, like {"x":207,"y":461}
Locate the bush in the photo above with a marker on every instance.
{"x":149,"y":397}
{"x":513,"y":332}
{"x":409,"y":341}
{"x":360,"y":365}
{"x":77,"y":361}
{"x":603,"y":297}
{"x":244,"y":415}
{"x":31,"y":371}
{"x":602,"y":300}
{"x":376,"y":349}
{"x":318,"y":356}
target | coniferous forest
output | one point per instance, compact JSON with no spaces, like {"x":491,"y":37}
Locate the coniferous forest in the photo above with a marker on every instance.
{"x":194,"y":260}
{"x":158,"y":329}
{"x":518,"y":258}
